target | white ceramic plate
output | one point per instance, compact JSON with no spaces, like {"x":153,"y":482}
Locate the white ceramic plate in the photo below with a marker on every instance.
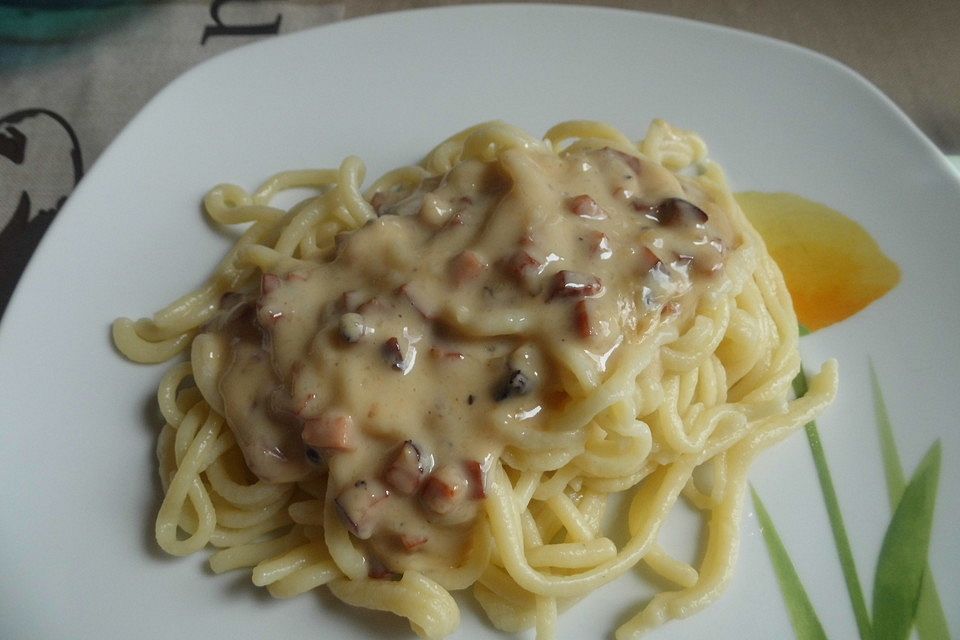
{"x":77,"y":474}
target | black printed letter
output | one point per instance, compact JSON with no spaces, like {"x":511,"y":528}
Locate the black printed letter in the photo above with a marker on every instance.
{"x":221,"y":29}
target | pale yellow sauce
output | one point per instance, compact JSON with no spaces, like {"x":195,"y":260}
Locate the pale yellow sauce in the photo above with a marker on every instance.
{"x":394,"y":366}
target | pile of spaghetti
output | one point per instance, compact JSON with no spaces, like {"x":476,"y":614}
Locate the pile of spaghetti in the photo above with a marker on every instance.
{"x":468,"y":374}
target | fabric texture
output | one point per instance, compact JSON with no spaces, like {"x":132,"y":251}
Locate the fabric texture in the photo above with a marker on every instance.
{"x":62,"y":101}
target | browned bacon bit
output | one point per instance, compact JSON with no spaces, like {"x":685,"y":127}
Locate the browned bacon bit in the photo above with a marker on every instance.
{"x":631,"y":161}
{"x":407,"y":469}
{"x":444,"y":490}
{"x":332,"y":431}
{"x":269,"y":283}
{"x":678,"y":212}
{"x":582,"y":319}
{"x":351,"y":300}
{"x":645,"y":208}
{"x":477,"y":477}
{"x":516,"y":384}
{"x":393,"y":354}
{"x":357,"y":506}
{"x":670,"y":309}
{"x":525,"y":269}
{"x":371,"y":306}
{"x":521,"y":263}
{"x":599,"y":245}
{"x":412,"y":542}
{"x":443,"y":354}
{"x":648,"y":260}
{"x":586,"y":207}
{"x":377,"y":201}
{"x":379,"y":571}
{"x":340,"y":241}
{"x":573,"y":284}
{"x":296,"y":275}
{"x":467,"y":266}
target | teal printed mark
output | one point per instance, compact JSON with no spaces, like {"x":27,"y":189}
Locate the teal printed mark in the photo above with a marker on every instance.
{"x":904,"y":590}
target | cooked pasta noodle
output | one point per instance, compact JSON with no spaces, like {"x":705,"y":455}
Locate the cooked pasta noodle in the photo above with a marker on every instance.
{"x":656,"y":344}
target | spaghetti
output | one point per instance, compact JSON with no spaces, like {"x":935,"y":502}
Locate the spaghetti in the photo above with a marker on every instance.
{"x":440,"y":382}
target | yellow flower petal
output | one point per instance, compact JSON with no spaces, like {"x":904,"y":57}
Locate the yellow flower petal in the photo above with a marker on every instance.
{"x":832,"y":266}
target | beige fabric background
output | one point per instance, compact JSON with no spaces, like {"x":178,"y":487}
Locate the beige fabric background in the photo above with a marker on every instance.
{"x":80,"y":92}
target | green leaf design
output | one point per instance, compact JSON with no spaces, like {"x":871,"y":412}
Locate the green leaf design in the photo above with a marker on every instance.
{"x":930,"y":620}
{"x":804,"y":618}
{"x":903,"y":556}
{"x":840,"y":538}
{"x":892,"y":468}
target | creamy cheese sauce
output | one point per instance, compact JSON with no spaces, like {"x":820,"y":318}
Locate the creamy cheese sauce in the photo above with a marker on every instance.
{"x":394,"y":366}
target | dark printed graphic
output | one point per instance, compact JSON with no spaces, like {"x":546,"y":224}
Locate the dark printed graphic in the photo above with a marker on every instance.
{"x":40,"y":164}
{"x":223,"y":29}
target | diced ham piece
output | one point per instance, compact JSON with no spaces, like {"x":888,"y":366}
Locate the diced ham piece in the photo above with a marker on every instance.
{"x":631,"y":161}
{"x":467,"y":266}
{"x":371,"y":306}
{"x":444,"y":490}
{"x":573,"y":284}
{"x":269,"y":282}
{"x":526,"y":270}
{"x":407,"y":469}
{"x":599,"y":245}
{"x":340,"y":241}
{"x":297,"y":275}
{"x":676,"y":212}
{"x":477,"y":477}
{"x":394,"y":355}
{"x":351,"y":300}
{"x":377,"y":201}
{"x":412,"y":542}
{"x":583,"y":320}
{"x":332,"y":432}
{"x":445,"y":354}
{"x":648,"y":260}
{"x":379,"y":571}
{"x":358,"y":507}
{"x":267,"y":315}
{"x":586,"y":207}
